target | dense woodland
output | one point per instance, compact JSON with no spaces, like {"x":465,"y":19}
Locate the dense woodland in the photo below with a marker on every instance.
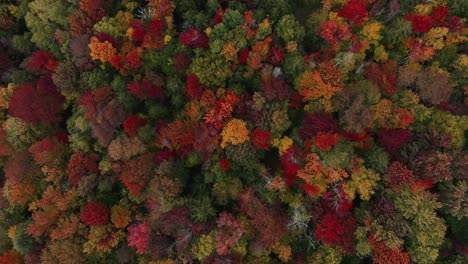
{"x":242,"y":131}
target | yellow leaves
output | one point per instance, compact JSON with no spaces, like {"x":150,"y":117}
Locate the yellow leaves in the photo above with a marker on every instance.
{"x":129,"y":33}
{"x":435,"y":37}
{"x":284,"y":252}
{"x":167,"y":38}
{"x":371,"y":31}
{"x":208,"y":31}
{"x":235,"y":132}
{"x":131,"y":6}
{"x":422,"y":9}
{"x":264,"y":24}
{"x":380,"y":54}
{"x":457,"y":37}
{"x":166,"y":261}
{"x":5,"y":95}
{"x":291,"y":46}
{"x":283,"y":144}
{"x":264,"y":29}
{"x":363,"y":181}
{"x":101,"y":239}
{"x":204,"y":247}
{"x":102,"y":51}
{"x":32,"y":206}
{"x":12,"y":232}
{"x":382,"y":111}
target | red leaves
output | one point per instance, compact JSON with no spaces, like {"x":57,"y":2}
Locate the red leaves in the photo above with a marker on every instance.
{"x":139,"y":30}
{"x":130,"y":61}
{"x":183,"y":137}
{"x":194,"y":89}
{"x":229,"y":232}
{"x":310,"y":189}
{"x":45,"y":151}
{"x":132,"y":123}
{"x":181,"y":62}
{"x":397,"y":174}
{"x":261,"y":139}
{"x":439,"y":14}
{"x":133,"y":60}
{"x":162,"y":155}
{"x":330,"y":229}
{"x":144,"y":90}
{"x":139,"y":236}
{"x":193,"y":38}
{"x":355,"y":11}
{"x":290,"y":165}
{"x":95,"y":9}
{"x":317,"y":122}
{"x":103,"y":113}
{"x":275,"y":88}
{"x":11,"y":257}
{"x":20,"y":167}
{"x":136,"y":173}
{"x":218,"y":18}
{"x":325,"y":141}
{"x":37,"y":102}
{"x":224,"y":164}
{"x":269,"y":224}
{"x":243,"y":55}
{"x":80,"y":165}
{"x":455,"y":24}
{"x":384,"y":76}
{"x":5,"y":148}
{"x":420,"y":23}
{"x":156,"y":27}
{"x":382,"y":254}
{"x":336,"y":230}
{"x":391,"y":139}
{"x":275,"y":56}
{"x":222,"y":110}
{"x":95,"y":213}
{"x":333,"y":33}
{"x":41,"y":61}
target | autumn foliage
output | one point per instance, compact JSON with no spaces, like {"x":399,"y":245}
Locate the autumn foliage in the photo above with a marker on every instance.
{"x":248,"y":131}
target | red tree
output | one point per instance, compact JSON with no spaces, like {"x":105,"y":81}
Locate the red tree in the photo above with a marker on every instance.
{"x":95,"y":213}
{"x":38,"y":102}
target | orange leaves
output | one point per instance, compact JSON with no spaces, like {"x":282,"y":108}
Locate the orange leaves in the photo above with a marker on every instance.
{"x":235,"y":132}
{"x":176,"y":134}
{"x":102,"y":51}
{"x":11,"y":257}
{"x":120,"y":216}
{"x":249,"y":22}
{"x":222,"y":110}
{"x":259,"y":53}
{"x":66,"y":228}
{"x":230,"y":51}
{"x":19,"y":193}
{"x":42,"y":221}
{"x":312,"y":87}
{"x":316,"y":175}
